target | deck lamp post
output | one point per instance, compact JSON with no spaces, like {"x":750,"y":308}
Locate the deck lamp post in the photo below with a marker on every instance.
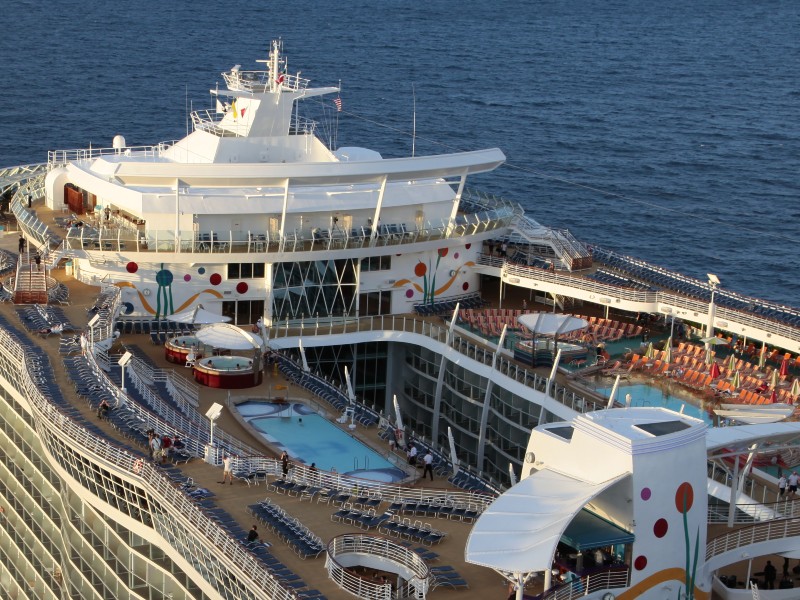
{"x":92,"y":322}
{"x":124,"y":360}
{"x":713,"y":283}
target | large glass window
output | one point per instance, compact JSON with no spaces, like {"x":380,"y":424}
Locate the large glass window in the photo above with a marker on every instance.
{"x":243,"y":312}
{"x":375,"y":303}
{"x":316,"y":288}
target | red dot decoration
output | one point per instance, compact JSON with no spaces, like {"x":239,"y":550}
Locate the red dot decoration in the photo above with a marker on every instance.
{"x":465,"y":287}
{"x":467,"y":246}
{"x":660,"y":528}
{"x":409,"y":293}
{"x":640,"y":562}
{"x":420,"y":269}
{"x":215,"y":279}
{"x":684,"y":497}
{"x":241,"y":287}
{"x":132,"y":267}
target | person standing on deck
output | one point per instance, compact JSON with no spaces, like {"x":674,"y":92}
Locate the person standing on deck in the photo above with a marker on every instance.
{"x":227,"y":472}
{"x":428,"y":460}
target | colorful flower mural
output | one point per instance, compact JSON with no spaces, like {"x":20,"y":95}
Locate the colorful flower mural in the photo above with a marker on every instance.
{"x":428,"y":273}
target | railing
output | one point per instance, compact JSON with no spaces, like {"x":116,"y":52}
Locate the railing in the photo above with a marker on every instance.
{"x":227,"y":242}
{"x":761,"y":532}
{"x":613,"y":577}
{"x":651,"y":298}
{"x":772,"y":511}
{"x":60,"y":157}
{"x":260,"y":81}
{"x":194,"y":536}
{"x":372,"y":545}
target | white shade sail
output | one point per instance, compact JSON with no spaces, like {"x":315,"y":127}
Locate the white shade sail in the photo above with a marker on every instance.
{"x":198,"y":316}
{"x":550,"y":323}
{"x":520,"y":530}
{"x":225,"y":335}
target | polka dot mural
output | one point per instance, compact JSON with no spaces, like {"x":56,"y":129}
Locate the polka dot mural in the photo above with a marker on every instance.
{"x":215,"y":279}
{"x":409,"y":293}
{"x":187,"y":277}
{"x":241,"y":287}
{"x":201,"y":271}
{"x":660,"y":528}
{"x":640,"y":562}
{"x":132,"y":267}
{"x":646,"y":494}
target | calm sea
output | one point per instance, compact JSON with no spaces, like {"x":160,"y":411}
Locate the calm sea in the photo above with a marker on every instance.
{"x":665,"y":130}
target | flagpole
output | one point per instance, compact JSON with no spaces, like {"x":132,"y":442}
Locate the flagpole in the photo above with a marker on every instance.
{"x":414,"y":121}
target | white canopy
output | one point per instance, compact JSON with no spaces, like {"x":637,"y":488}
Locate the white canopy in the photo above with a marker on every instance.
{"x":198,"y":316}
{"x":739,"y":438}
{"x":225,"y":335}
{"x":753,"y":417}
{"x":550,"y":323}
{"x":520,"y":530}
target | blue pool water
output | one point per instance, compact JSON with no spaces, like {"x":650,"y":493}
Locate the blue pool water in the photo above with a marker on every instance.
{"x":647,"y":395}
{"x":310,"y":438}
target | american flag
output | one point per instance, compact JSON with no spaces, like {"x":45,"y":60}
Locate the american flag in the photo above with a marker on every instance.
{"x":338,"y":103}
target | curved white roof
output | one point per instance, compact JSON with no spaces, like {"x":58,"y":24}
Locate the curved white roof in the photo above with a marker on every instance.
{"x":550,"y":323}
{"x":225,"y":335}
{"x":198,"y":316}
{"x":519,"y":532}
{"x":740,"y":437}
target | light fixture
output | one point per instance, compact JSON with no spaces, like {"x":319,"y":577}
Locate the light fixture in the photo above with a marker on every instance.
{"x":608,"y":596}
{"x":530,"y":457}
{"x":713,"y":279}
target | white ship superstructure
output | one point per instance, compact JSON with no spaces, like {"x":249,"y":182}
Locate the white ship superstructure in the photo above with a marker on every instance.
{"x":255,"y":185}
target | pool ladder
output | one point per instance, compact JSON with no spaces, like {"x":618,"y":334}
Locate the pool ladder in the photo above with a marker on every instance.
{"x":355,"y":463}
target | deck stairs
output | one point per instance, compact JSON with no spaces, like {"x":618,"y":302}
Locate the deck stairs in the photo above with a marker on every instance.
{"x":558,"y":243}
{"x":30,"y":283}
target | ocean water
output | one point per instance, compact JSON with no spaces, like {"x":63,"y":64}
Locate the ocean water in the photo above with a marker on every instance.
{"x":668,"y":131}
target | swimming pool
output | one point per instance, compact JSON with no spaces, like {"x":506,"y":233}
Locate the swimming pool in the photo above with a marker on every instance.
{"x":310,"y":438}
{"x":648,"y":395}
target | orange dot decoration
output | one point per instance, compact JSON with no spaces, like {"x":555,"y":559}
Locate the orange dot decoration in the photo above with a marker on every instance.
{"x":420,"y":269}
{"x":684,"y":497}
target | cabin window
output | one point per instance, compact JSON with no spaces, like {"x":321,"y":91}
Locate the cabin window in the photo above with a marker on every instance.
{"x":376,"y":263}
{"x":246,"y":271}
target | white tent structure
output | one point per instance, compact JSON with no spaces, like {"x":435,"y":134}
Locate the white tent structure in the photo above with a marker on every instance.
{"x":198,"y":316}
{"x":550,"y":323}
{"x":225,"y":335}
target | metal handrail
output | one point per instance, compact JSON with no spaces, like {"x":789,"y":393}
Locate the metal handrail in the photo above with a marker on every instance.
{"x":373,"y":545}
{"x":761,"y":532}
{"x":610,"y":578}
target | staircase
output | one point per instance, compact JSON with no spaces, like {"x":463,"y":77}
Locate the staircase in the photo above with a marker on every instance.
{"x":573,"y":254}
{"x":30,"y":283}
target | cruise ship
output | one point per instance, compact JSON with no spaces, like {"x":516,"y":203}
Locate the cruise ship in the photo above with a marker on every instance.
{"x":229,"y":286}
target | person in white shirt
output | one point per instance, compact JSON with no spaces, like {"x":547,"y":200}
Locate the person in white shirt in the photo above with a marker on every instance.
{"x":792,"y":481}
{"x":227,"y":472}
{"x":782,"y":485}
{"x":428,"y":460}
{"x":412,"y":455}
